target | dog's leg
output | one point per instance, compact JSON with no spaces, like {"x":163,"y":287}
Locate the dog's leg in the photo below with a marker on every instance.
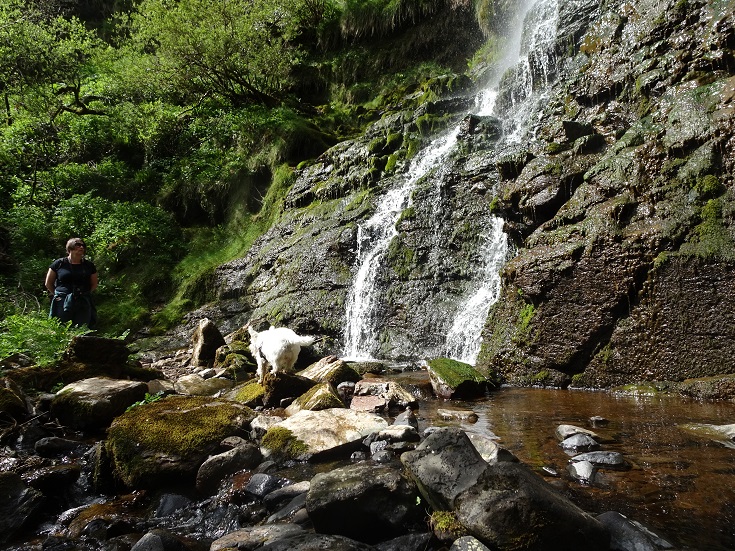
{"x":260,"y":372}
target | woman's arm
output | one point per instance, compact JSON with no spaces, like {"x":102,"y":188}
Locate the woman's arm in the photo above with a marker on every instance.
{"x":93,"y":282}
{"x":50,"y":280}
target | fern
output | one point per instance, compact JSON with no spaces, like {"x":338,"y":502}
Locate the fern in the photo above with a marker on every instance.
{"x":43,"y":339}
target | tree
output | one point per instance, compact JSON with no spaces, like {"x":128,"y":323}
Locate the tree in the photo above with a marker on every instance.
{"x":240,"y":50}
{"x":41,"y":50}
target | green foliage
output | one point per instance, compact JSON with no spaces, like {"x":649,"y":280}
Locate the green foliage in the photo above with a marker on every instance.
{"x":375,"y":18}
{"x":148,"y":399}
{"x":711,"y":238}
{"x":42,"y":338}
{"x":180,"y":131}
{"x":239,"y":50}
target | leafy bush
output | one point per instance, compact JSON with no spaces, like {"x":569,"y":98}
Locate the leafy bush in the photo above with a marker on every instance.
{"x":42,"y":338}
{"x":118,"y":234}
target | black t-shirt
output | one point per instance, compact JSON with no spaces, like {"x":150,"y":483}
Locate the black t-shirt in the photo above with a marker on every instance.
{"x":70,"y":276}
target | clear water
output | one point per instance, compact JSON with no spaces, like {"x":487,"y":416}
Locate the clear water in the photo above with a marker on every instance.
{"x":681,"y":486}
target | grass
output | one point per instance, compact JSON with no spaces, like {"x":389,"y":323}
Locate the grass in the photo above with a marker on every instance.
{"x":212,"y":247}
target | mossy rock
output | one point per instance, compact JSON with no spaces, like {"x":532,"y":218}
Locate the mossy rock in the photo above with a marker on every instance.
{"x":322,"y":396}
{"x":92,"y":404}
{"x":283,"y":444}
{"x":66,"y":372}
{"x":455,"y":379}
{"x":249,"y":393}
{"x":165,"y":442}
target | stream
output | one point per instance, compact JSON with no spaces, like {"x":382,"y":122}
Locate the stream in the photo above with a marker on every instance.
{"x":681,"y":486}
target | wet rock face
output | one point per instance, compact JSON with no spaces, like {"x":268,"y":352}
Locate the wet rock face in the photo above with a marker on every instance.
{"x":621,"y":279}
{"x":619,"y":202}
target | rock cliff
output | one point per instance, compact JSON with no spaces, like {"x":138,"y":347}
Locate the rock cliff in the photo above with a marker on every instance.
{"x":615,"y":184}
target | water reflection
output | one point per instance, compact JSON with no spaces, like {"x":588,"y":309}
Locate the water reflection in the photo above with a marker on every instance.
{"x":681,"y":485}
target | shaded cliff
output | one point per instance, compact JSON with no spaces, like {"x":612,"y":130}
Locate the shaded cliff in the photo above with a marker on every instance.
{"x":617,"y":195}
{"x":625,"y":214}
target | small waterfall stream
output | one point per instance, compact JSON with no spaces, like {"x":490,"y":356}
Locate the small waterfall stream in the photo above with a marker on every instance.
{"x":530,"y":47}
{"x":373,"y":238}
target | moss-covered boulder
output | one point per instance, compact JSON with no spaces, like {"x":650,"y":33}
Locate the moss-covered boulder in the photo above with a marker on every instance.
{"x":249,"y":393}
{"x":167,"y":441}
{"x":284,"y":386}
{"x":454,"y":379}
{"x":322,"y":396}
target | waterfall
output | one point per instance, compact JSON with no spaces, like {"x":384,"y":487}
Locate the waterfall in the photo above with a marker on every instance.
{"x":529,"y":55}
{"x":463,"y":338}
{"x":373,"y":238}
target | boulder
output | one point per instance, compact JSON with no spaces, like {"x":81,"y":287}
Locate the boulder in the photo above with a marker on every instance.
{"x":18,"y":506}
{"x":196,"y":385}
{"x":218,"y":467}
{"x":166,"y":441}
{"x":604,"y":459}
{"x":579,"y":442}
{"x":159,"y":540}
{"x":583,"y":471}
{"x":255,"y":537}
{"x":262,"y":484}
{"x":457,"y":414}
{"x":310,"y":434}
{"x":391,"y":393}
{"x":489,"y":449}
{"x":250,"y":393}
{"x":91,"y":349}
{"x":322,"y":396}
{"x":512,"y":508}
{"x":719,"y":433}
{"x":13,"y":402}
{"x":408,"y":417}
{"x":365,"y":502}
{"x":278,"y":497}
{"x":454,"y":379}
{"x":565,"y":431}
{"x":444,"y":465}
{"x":92,"y":404}
{"x":307,"y":541}
{"x":628,"y":535}
{"x":370,"y":404}
{"x":284,"y":386}
{"x":468,"y":543}
{"x":332,"y":370}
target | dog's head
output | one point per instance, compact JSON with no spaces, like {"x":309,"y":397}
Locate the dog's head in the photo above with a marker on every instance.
{"x":253,"y":333}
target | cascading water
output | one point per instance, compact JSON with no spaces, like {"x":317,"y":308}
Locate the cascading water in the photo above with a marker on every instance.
{"x":373,"y":238}
{"x":463,"y":338}
{"x":526,"y":57}
{"x":535,"y":49}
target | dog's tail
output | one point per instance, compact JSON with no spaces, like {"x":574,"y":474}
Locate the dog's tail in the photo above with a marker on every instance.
{"x":304,"y":341}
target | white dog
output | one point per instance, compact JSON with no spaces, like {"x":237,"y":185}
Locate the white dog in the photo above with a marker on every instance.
{"x":278,"y":347}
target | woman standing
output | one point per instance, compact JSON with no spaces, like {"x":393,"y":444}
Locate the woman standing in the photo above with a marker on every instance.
{"x":71,"y":280}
